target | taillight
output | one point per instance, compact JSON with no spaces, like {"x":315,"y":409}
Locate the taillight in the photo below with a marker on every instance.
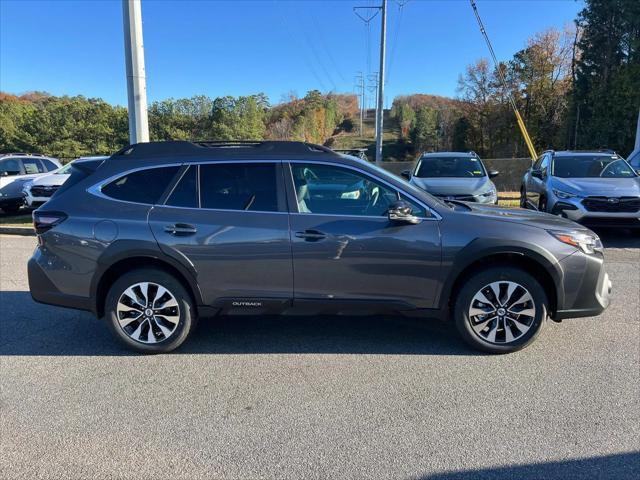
{"x":43,"y":221}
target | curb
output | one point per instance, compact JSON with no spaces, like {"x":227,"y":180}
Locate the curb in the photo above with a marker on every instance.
{"x":24,"y":231}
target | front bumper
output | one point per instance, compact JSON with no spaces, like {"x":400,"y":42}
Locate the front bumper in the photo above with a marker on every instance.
{"x":573,"y":209}
{"x":587,"y":287}
{"x":9,"y":201}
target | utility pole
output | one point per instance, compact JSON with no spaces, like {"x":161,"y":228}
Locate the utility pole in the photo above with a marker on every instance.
{"x":136,"y":79}
{"x":380,"y":107}
{"x":373,"y":87}
{"x":360,"y":89}
{"x":637,"y":147}
{"x":380,"y":93}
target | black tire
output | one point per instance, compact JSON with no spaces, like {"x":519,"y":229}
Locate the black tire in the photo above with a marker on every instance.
{"x":186,"y":313}
{"x":523,"y":198}
{"x":542,"y":204}
{"x":476,"y":284}
{"x":11,"y":209}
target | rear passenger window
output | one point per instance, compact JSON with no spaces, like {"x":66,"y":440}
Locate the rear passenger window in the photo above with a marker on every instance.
{"x":186,"y":192}
{"x":142,"y":186}
{"x":49,"y":165}
{"x":31,"y":165}
{"x":237,"y":186}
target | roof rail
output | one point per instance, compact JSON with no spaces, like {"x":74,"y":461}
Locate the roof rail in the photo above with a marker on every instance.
{"x":598,"y":150}
{"x":205,"y":147}
{"x":22,"y":154}
{"x":471,"y":152}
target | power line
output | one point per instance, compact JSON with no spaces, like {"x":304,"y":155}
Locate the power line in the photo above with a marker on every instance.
{"x":326,"y":48}
{"x":401,"y":4}
{"x":294,"y":41}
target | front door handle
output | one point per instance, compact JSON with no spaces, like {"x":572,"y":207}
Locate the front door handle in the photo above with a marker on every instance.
{"x":181,"y":229}
{"x":311,"y":235}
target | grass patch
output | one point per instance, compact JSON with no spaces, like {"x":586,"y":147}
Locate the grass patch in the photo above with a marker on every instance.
{"x":16,"y":220}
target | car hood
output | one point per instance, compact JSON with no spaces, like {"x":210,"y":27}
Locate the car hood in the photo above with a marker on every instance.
{"x":53,"y":179}
{"x":599,"y":187}
{"x":453,"y":185}
{"x":520,"y":215}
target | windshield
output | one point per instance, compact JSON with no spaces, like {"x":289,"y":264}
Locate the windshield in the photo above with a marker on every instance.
{"x":450,"y":167}
{"x":64,"y":170}
{"x":595,"y":166}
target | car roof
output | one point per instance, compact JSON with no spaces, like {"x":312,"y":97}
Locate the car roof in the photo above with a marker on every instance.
{"x":449,"y":154}
{"x":223,"y":150}
{"x":595,"y":153}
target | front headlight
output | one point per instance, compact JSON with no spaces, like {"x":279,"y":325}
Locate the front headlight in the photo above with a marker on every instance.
{"x":490,"y":194}
{"x":587,"y":242}
{"x":26,"y":187}
{"x":563,"y":195}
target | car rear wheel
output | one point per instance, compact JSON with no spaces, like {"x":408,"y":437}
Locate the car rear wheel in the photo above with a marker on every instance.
{"x":500,"y":310}
{"x":149,"y":311}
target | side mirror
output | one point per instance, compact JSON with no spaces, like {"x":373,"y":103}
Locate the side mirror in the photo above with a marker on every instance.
{"x":406,"y":174}
{"x":401,"y":212}
{"x":493,"y":173}
{"x":4,"y":174}
{"x":536,"y":173}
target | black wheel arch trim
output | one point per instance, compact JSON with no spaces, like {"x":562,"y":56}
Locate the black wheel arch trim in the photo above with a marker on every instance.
{"x":121,"y":250}
{"x":486,"y":247}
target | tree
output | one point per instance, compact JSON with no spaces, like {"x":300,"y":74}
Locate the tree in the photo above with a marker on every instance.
{"x":425,"y":132}
{"x":607,"y":84}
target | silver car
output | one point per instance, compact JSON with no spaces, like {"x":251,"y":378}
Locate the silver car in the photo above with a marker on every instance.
{"x":593,"y":188}
{"x":454,"y":176}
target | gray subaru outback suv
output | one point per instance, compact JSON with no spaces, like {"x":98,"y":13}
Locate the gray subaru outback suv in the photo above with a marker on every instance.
{"x":597,"y":189}
{"x":160,"y":234}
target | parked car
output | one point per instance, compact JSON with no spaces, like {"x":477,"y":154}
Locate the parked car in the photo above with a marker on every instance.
{"x":160,"y":234}
{"x":39,"y":190}
{"x":634,"y":160}
{"x":595,"y":188}
{"x":454,"y":176}
{"x":17,"y":168}
{"x":360,"y":153}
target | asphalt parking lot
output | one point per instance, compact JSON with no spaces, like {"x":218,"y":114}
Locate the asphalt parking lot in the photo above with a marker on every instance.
{"x":324,"y":397}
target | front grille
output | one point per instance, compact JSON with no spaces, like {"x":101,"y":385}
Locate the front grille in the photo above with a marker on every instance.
{"x":462,"y":198}
{"x":47,"y":191}
{"x":612,"y":204}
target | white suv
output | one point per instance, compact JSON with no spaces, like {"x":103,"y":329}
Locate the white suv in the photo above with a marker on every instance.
{"x":15,"y":170}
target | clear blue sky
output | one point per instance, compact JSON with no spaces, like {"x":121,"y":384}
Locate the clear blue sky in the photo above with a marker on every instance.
{"x":241,"y":47}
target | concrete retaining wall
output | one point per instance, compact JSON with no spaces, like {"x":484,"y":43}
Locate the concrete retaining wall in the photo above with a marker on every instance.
{"x":511,"y":171}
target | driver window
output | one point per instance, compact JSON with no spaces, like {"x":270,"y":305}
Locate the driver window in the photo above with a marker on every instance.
{"x":10,"y":167}
{"x":331,"y":190}
{"x":544,"y":165}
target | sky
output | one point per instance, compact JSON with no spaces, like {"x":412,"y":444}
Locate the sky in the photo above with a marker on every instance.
{"x":240,"y":47}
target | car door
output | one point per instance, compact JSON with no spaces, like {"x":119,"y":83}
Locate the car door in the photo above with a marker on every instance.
{"x":346,"y":249}
{"x":537,"y":180}
{"x":228,"y":220}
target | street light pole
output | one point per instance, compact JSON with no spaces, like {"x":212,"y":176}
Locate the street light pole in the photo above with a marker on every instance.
{"x":136,"y":80}
{"x":380,"y":106}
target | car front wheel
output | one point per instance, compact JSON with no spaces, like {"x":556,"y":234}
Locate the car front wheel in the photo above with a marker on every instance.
{"x":149,"y":311}
{"x":500,"y":310}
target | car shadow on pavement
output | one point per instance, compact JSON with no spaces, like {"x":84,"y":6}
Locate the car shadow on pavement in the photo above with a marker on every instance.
{"x":617,"y":466}
{"x":28,"y":328}
{"x":618,"y":238}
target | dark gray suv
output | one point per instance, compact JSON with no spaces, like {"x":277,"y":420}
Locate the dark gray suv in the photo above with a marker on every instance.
{"x":160,"y":234}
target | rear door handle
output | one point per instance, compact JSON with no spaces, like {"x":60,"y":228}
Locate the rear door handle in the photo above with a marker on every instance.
{"x":311,"y":235}
{"x":181,"y":229}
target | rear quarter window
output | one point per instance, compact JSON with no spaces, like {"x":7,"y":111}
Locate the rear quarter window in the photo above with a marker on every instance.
{"x":142,"y":186}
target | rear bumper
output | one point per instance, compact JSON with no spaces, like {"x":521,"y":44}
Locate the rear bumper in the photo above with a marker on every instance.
{"x":44,"y":291}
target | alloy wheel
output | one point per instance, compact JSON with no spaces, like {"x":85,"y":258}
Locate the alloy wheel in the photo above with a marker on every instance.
{"x":502,"y":312}
{"x":148,"y":312}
